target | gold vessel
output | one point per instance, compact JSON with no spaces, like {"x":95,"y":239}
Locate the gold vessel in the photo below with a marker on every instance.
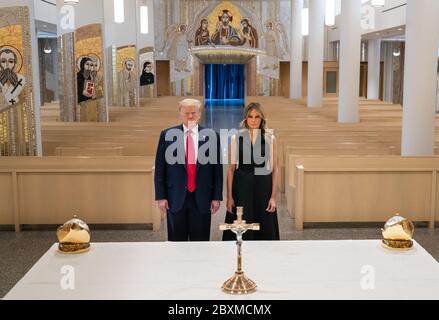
{"x":239,"y":284}
{"x":398,"y":233}
{"x":74,"y":236}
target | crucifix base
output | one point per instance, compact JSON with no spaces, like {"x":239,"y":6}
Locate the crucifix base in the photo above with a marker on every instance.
{"x":239,"y":284}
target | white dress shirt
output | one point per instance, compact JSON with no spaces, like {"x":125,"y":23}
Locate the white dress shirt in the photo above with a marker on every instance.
{"x":194,"y":138}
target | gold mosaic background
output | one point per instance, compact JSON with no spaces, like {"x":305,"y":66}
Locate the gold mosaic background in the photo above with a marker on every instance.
{"x":217,"y":12}
{"x":151,"y":90}
{"x":123,"y":53}
{"x":17,"y":125}
{"x":119,"y":55}
{"x":88,"y":41}
{"x":91,"y":47}
{"x":11,"y":36}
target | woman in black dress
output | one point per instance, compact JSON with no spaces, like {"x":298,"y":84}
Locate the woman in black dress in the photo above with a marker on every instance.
{"x":252,"y":176}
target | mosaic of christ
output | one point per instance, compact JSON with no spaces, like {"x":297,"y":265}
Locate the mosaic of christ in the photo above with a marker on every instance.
{"x":225,"y":33}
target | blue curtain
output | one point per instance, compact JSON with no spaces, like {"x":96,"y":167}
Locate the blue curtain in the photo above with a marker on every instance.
{"x":225,"y":82}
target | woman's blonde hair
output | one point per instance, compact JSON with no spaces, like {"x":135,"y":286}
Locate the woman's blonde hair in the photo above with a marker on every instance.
{"x":256,"y":106}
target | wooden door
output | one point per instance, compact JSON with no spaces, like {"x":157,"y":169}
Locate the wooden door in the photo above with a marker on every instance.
{"x":163,"y":79}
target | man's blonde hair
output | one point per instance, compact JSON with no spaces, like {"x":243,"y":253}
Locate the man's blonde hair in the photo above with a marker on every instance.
{"x":189,"y":103}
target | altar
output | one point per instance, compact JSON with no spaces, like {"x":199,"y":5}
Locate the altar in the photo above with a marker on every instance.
{"x":287,"y":270}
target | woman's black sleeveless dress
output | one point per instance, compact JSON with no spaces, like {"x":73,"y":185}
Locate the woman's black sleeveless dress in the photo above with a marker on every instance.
{"x":252,"y":189}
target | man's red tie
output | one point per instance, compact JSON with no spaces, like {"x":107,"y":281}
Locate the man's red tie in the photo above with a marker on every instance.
{"x":191,"y":163}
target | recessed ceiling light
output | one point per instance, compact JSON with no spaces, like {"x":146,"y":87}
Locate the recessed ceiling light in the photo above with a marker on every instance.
{"x":400,"y":29}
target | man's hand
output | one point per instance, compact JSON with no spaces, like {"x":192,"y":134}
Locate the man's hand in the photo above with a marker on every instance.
{"x":214,"y":207}
{"x":163,"y":207}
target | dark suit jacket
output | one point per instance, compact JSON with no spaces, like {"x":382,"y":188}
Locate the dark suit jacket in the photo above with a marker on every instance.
{"x":171,"y":178}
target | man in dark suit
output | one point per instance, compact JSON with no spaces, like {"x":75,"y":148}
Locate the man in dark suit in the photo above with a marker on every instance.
{"x":189,"y":176}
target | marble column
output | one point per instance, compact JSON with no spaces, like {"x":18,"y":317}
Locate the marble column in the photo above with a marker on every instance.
{"x":296,"y":50}
{"x":373,"y":72}
{"x":420,"y":82}
{"x":316,"y":53}
{"x":350,"y":51}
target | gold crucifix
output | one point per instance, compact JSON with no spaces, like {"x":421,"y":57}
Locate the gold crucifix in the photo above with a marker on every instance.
{"x":239,"y":283}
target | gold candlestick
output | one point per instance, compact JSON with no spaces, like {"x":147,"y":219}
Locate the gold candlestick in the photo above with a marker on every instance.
{"x":239,"y":283}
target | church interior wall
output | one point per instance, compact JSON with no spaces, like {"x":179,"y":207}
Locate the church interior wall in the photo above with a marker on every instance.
{"x":45,"y":11}
{"x":393,"y":14}
{"x":117,"y":37}
{"x":49,"y":70}
{"x":86,"y":12}
{"x":146,"y":40}
{"x":120,"y":34}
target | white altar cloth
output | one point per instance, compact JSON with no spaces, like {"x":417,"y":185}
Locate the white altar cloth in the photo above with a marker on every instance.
{"x":195,"y":271}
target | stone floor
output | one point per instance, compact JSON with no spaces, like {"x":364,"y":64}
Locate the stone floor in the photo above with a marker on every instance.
{"x":19,"y":252}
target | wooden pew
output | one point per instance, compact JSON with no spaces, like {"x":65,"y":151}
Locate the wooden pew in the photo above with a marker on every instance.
{"x":130,"y":147}
{"x":365,"y":189}
{"x":100,"y":190}
{"x":288,"y":176}
{"x":93,"y":151}
{"x":134,"y":141}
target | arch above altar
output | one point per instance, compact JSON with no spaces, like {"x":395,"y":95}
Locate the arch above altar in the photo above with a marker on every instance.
{"x":224,"y":54}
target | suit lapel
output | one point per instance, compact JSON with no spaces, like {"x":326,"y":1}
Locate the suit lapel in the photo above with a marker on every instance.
{"x":183,"y":159}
